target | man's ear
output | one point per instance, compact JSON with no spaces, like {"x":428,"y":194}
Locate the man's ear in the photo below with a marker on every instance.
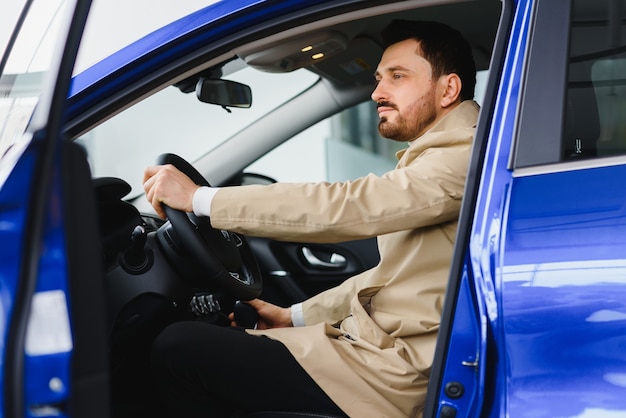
{"x":451,"y":89}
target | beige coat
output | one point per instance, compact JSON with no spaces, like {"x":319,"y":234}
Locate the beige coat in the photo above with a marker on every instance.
{"x":369,"y":343}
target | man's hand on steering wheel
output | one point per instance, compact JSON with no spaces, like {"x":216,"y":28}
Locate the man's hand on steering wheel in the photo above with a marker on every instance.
{"x":223,"y":259}
{"x":165,"y":184}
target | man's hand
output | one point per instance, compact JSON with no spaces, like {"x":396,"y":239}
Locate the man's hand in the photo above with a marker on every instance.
{"x":270,"y":316}
{"x":164,"y":184}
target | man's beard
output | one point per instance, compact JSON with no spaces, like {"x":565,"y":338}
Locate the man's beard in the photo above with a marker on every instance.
{"x":404,"y":129}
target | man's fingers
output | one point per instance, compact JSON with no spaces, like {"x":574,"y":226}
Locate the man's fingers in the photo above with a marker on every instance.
{"x":158,"y":207}
{"x":150,"y":186}
{"x":255,"y":303}
{"x":150,"y":171}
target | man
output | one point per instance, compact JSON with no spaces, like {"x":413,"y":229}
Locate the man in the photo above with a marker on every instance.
{"x":364,"y":348}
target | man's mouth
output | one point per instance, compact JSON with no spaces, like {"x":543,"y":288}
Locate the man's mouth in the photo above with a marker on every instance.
{"x":384,"y":107}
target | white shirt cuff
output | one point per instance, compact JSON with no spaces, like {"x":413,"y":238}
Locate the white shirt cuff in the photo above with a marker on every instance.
{"x":202,"y":198}
{"x":297,"y":316}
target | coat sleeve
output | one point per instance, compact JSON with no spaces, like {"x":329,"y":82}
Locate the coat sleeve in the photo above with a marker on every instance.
{"x":424,"y":191}
{"x":333,"y":305}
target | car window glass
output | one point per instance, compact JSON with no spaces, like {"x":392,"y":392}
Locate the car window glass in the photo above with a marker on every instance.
{"x":176,"y":122}
{"x":596,"y":88}
{"x":343,"y":147}
{"x":574,"y":97}
{"x":609,"y":83}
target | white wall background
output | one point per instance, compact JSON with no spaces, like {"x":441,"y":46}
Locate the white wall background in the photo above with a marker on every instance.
{"x":10,"y":11}
{"x":120,"y":27}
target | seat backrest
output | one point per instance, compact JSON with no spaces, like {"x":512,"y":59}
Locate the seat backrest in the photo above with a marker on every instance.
{"x":89,"y":396}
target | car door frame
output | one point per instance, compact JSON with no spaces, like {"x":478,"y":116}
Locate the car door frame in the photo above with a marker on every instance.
{"x":35,"y":160}
{"x":462,"y":321}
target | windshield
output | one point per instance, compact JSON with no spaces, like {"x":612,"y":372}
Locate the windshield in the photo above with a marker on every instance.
{"x":176,"y":122}
{"x":137,"y":18}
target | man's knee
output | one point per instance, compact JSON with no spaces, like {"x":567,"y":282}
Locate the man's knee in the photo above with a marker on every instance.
{"x":174,"y":347}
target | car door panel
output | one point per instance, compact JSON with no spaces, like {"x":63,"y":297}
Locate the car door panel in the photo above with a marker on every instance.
{"x":544,"y":253}
{"x":461,"y":356}
{"x":296,"y":271}
{"x":44,"y":370}
{"x":562,"y":291}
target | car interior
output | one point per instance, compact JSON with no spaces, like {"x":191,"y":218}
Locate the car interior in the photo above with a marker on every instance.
{"x":156,"y":271}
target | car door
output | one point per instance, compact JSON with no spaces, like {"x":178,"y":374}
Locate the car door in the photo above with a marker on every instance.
{"x":48,"y":266}
{"x":535,"y":321}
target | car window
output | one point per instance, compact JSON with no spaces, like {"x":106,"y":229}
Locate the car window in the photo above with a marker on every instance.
{"x":176,"y":122}
{"x":343,"y":147}
{"x":609,"y":84}
{"x":596,"y":86}
{"x":574,"y":101}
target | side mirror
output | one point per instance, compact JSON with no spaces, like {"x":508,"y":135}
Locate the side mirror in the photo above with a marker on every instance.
{"x":225,"y":93}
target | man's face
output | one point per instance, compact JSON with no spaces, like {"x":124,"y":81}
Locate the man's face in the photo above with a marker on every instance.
{"x":406,"y":93}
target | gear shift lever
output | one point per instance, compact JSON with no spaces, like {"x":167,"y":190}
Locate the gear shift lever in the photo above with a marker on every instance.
{"x":135,"y":257}
{"x":245,"y":315}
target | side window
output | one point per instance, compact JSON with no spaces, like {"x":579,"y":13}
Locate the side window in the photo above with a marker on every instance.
{"x":575,"y":88}
{"x":343,"y":147}
{"x":609,"y":80}
{"x":596,"y":87}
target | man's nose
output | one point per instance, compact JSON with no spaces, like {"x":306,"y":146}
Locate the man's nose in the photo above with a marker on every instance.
{"x":379,"y":94}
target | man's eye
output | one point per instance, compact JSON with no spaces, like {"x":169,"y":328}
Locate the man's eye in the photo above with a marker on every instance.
{"x":397,"y":76}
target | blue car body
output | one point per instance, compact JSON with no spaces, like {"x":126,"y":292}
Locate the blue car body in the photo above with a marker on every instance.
{"x":534,"y":322}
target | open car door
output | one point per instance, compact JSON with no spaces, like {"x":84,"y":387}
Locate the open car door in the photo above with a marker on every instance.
{"x":49,"y":265}
{"x":533,"y":323}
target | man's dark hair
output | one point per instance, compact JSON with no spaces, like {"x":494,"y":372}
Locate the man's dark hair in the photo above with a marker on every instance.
{"x":442,"y":46}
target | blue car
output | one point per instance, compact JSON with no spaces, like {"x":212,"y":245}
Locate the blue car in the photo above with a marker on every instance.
{"x":534,"y":319}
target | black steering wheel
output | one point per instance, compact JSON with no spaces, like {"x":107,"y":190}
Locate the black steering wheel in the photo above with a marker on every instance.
{"x":225,"y":258}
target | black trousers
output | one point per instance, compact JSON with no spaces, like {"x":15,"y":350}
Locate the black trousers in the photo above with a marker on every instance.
{"x":203,"y":370}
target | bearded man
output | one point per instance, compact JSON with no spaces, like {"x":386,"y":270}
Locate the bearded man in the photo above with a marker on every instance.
{"x":365,"y":347}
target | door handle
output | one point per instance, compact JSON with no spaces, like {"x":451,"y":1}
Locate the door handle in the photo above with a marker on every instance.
{"x":336,"y":261}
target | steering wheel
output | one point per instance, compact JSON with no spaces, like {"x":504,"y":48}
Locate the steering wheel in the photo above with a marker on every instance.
{"x":224,"y":257}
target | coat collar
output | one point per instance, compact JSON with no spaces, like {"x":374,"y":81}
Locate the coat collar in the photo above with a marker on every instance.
{"x":465,"y":115}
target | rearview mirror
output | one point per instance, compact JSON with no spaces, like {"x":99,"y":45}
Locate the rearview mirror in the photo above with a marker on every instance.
{"x":225,"y":93}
